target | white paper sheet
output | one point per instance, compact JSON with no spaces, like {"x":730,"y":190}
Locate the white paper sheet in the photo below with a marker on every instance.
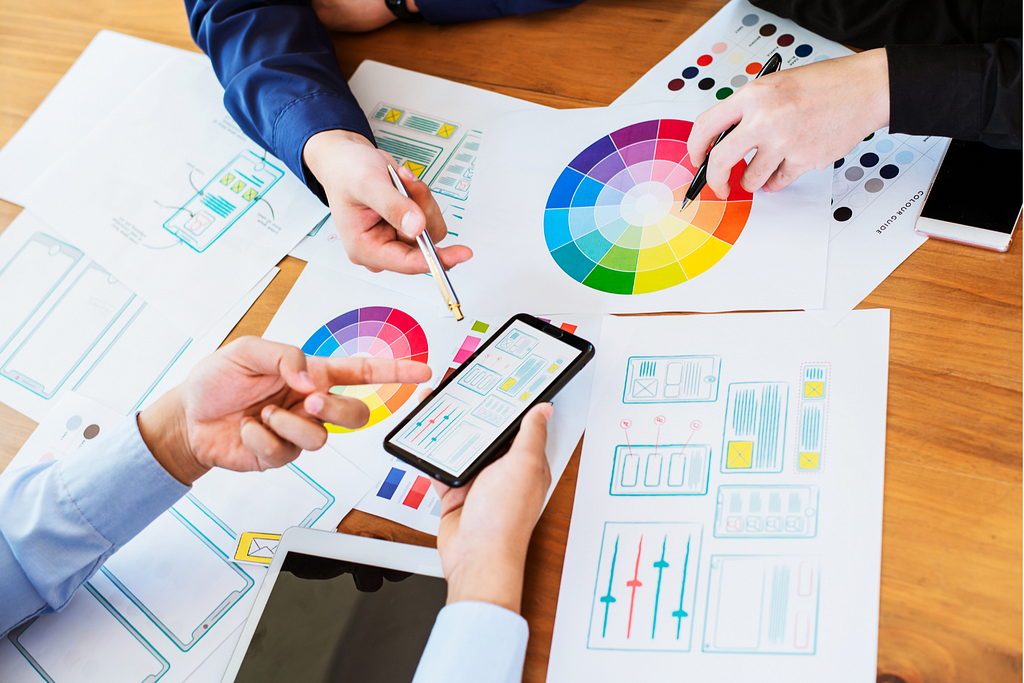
{"x":540,"y":253}
{"x":166,"y":601}
{"x":106,"y":73}
{"x":121,"y":351}
{"x":878,"y":188}
{"x":729,"y":502}
{"x":434,"y":127}
{"x":175,"y":201}
{"x":397,"y":497}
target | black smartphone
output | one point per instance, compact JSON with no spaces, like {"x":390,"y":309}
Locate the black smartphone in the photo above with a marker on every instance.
{"x":471,"y":418}
{"x":976,"y":196}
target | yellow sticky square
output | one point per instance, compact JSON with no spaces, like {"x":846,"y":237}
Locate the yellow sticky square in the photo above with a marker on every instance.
{"x":524,"y":396}
{"x":393,"y":116}
{"x":418,"y":169}
{"x":553,"y":367}
{"x":250,"y":195}
{"x":256,"y":547}
{"x":508,"y":384}
{"x":446,"y":131}
{"x":237,"y":187}
{"x":226,"y":180}
{"x":740,"y":455}
{"x":814,"y":389}
{"x":809,"y":461}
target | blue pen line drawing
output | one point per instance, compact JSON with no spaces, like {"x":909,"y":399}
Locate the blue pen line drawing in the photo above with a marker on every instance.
{"x":188,"y":563}
{"x":113,"y":643}
{"x":762,"y":604}
{"x":755,"y":427}
{"x":660,"y":470}
{"x":813,"y":411}
{"x":672,"y":379}
{"x":766,"y":512}
{"x":639,"y":562}
{"x":225,"y":198}
{"x":455,"y":178}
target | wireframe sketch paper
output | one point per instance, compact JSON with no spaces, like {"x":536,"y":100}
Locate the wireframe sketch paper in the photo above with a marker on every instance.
{"x":169,"y":598}
{"x":110,"y":68}
{"x":121,"y":348}
{"x":729,"y":502}
{"x":596,"y":223}
{"x":878,"y":188}
{"x":177,"y":203}
{"x":435,"y":128}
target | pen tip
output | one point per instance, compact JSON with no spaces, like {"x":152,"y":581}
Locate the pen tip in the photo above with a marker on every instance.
{"x":685,"y":202}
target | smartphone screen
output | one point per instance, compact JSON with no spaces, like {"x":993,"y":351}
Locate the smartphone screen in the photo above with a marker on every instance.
{"x":978,"y":186}
{"x":483,"y":401}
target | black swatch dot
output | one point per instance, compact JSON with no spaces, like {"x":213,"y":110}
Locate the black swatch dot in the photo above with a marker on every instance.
{"x":706,"y":84}
{"x":889,"y":171}
{"x":767,"y":30}
{"x":690,"y":72}
{"x":839,"y":163}
{"x":869,"y":137}
{"x":868,"y":160}
{"x":842,"y":214}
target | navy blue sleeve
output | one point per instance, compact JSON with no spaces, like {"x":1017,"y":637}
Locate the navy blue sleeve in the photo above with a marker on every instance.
{"x":281,"y":79}
{"x":450,"y":11}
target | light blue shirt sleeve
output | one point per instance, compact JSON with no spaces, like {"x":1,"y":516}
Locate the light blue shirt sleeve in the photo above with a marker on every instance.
{"x":61,"y":520}
{"x":474,"y":642}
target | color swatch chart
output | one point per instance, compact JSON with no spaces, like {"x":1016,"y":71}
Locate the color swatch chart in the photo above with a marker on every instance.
{"x":378,"y":332}
{"x":614,"y":219}
{"x":411,"y":489}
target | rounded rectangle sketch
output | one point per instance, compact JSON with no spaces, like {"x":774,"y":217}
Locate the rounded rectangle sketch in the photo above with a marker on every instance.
{"x":762,"y":604}
{"x":646,"y":586}
{"x":225,"y":198}
{"x":766,"y":512}
{"x":813,"y":411}
{"x":672,"y":379}
{"x":665,"y":470}
{"x":755,"y":427}
{"x":116,"y":652}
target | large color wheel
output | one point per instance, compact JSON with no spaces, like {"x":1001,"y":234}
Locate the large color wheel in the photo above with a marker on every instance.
{"x":613,"y":222}
{"x":379,"y":332}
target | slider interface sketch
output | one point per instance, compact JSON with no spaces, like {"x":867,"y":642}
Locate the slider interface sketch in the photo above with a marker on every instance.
{"x":645,"y":587}
{"x":225,"y":198}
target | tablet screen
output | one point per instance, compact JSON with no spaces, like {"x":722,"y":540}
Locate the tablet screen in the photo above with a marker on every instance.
{"x":331,"y":620}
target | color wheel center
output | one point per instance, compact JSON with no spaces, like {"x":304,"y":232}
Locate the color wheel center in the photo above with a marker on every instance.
{"x":646,"y":204}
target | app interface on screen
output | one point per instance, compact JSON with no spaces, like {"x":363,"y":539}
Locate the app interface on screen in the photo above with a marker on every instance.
{"x":460,"y":422}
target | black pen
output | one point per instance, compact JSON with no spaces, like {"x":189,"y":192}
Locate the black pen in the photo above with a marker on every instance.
{"x":773,"y":64}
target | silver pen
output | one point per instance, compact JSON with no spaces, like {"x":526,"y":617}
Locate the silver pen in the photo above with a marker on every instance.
{"x":433,"y":262}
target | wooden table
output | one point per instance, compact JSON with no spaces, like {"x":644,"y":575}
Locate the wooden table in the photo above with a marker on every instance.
{"x":951,"y":554}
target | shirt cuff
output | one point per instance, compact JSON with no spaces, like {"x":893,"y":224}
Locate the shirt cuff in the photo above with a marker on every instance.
{"x":935,"y":89}
{"x":474,"y":642}
{"x":309,"y":115}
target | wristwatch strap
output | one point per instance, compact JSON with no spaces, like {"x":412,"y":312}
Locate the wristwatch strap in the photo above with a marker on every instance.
{"x":400,"y":8}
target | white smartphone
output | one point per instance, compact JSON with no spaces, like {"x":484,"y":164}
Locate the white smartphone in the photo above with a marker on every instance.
{"x":976,"y":196}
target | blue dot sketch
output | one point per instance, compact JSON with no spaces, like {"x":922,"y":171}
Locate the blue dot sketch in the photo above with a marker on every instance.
{"x":225,"y":198}
{"x":762,"y":604}
{"x":672,"y":379}
{"x":660,"y":470}
{"x":645,"y":587}
{"x":766,"y":512}
{"x":755,"y":427}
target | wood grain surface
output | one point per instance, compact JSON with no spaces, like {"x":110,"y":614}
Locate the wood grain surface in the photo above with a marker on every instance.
{"x":951,"y":555}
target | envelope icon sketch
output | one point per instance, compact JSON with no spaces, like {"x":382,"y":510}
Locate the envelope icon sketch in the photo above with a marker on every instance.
{"x":740,"y":455}
{"x":814,"y":389}
{"x":645,"y":387}
{"x":256,"y":547}
{"x":261,"y":548}
{"x":808,"y":461}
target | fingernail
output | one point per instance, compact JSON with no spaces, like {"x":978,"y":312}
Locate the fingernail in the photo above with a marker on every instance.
{"x":314,"y":404}
{"x":409,"y":224}
{"x":306,"y":379}
{"x":547,"y":410}
{"x":265,"y":413}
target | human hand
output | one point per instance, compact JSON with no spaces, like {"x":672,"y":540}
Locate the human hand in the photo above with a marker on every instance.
{"x":377,"y":225}
{"x":486,"y":525}
{"x":798,"y":120}
{"x":355,"y":16}
{"x":256,"y":404}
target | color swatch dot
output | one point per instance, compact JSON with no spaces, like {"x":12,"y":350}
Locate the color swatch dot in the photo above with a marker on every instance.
{"x":889,"y":171}
{"x":884,"y":146}
{"x":854,"y":173}
{"x":858,"y":199}
{"x":737,"y":58}
{"x":785,"y":40}
{"x":842,"y":214}
{"x":904,"y":157}
{"x":738,"y":81}
{"x":690,"y":72}
{"x":719,"y":48}
{"x":753,"y":68}
{"x":704,"y":60}
{"x":723,"y":93}
{"x":750,"y":20}
{"x":676,"y":84}
{"x":74,"y":422}
{"x":803,"y":50}
{"x":874,"y":185}
{"x":91,"y":432}
{"x":839,"y":187}
{"x":868,"y":160}
{"x":839,"y":163}
{"x":869,"y":137}
{"x":706,"y":83}
{"x":768,"y":30}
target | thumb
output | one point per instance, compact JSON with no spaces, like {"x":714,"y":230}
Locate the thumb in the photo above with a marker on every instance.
{"x":402,"y":213}
{"x":533,"y":431}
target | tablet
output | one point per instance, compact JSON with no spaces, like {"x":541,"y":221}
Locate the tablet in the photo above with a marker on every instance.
{"x":336,"y":607}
